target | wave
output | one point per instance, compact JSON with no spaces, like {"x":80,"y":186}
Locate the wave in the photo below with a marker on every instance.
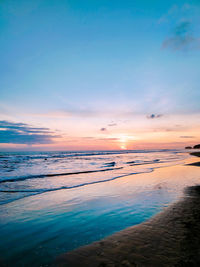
{"x":109,"y":166}
{"x":39,"y":191}
{"x":22,"y":178}
{"x":147,"y":162}
{"x":127,"y":165}
{"x":67,"y":154}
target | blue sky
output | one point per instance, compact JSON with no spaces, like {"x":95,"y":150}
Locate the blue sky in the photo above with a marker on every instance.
{"x":76,"y":66}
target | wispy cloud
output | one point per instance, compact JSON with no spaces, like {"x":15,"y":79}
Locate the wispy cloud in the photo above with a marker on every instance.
{"x":21,"y":133}
{"x":182,"y":38}
{"x":112,"y":124}
{"x":187,"y":136}
{"x":86,"y":113}
{"x":154,"y":116}
{"x":104,"y":129}
{"x":184,"y":23}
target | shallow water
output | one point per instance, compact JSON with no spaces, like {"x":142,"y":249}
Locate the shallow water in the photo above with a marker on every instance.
{"x":24,"y":174}
{"x":37,"y":228}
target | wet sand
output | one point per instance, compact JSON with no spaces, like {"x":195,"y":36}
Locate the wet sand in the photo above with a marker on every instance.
{"x":171,"y":238}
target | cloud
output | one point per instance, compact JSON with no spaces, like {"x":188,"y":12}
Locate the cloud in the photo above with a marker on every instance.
{"x":182,"y":38}
{"x":112,"y":124}
{"x":187,"y":136}
{"x":21,"y":133}
{"x":88,"y":112}
{"x":183,"y":20}
{"x":154,"y":116}
{"x":103,"y":129}
{"x":100,"y":139}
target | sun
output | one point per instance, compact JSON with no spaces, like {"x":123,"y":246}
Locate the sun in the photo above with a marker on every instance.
{"x":123,"y":140}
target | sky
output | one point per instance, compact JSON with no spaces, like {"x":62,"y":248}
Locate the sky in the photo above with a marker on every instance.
{"x":99,"y":75}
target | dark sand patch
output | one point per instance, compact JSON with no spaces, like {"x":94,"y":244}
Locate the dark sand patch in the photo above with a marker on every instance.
{"x":197,"y":154}
{"x":171,"y":238}
{"x":194,"y":164}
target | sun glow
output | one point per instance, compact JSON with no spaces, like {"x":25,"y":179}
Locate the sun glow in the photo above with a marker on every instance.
{"x":124,"y":141}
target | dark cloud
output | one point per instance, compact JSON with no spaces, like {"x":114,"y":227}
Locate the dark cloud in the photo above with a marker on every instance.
{"x":103,"y":129}
{"x":187,"y":136}
{"x":154,"y":116}
{"x":21,"y":133}
{"x":182,"y":38}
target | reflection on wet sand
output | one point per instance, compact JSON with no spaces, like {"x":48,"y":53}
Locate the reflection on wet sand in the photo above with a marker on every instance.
{"x":171,"y":238}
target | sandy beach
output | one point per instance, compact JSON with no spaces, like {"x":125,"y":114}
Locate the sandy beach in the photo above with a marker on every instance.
{"x":171,"y":238}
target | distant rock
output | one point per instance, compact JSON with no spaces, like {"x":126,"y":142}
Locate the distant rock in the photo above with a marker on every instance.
{"x":188,"y":147}
{"x":197,"y":146}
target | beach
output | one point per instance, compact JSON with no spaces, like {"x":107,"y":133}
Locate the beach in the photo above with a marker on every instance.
{"x":41,"y":226}
{"x":171,"y":238}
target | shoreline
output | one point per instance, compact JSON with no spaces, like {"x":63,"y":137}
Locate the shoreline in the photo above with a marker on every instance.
{"x":170,"y":238}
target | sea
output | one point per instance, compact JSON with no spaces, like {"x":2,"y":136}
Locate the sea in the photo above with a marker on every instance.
{"x":23,"y":174}
{"x":54,"y":202}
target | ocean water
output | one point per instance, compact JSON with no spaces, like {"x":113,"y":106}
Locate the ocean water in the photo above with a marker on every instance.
{"x":28,"y":173}
{"x":53,"y":202}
